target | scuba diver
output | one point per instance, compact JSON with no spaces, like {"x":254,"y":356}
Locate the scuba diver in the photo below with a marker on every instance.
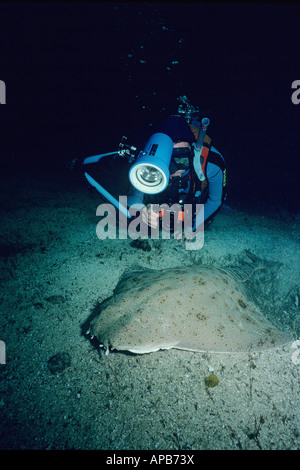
{"x":179,"y":174}
{"x":184,"y":185}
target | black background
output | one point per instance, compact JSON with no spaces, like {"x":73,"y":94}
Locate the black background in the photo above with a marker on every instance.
{"x":79,"y":76}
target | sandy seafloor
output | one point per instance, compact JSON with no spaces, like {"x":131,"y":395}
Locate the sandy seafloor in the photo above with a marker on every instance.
{"x":54,"y":270}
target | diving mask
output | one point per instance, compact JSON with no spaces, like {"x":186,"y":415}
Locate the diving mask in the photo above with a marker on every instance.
{"x":181,"y":157}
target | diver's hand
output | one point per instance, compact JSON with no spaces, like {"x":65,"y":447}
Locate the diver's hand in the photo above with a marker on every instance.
{"x":177,"y":173}
{"x":150,"y":217}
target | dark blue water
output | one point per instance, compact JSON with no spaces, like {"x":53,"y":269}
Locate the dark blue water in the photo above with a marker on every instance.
{"x":80,"y":76}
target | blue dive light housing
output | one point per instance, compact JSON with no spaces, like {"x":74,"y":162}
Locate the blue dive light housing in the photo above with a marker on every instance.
{"x":150,"y":173}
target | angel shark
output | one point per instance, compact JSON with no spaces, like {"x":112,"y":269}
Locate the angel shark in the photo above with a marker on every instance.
{"x":195,"y":308}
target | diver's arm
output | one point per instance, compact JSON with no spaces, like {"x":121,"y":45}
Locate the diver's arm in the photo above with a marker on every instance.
{"x":215,"y":188}
{"x":135,"y":201}
{"x":215,"y":178}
